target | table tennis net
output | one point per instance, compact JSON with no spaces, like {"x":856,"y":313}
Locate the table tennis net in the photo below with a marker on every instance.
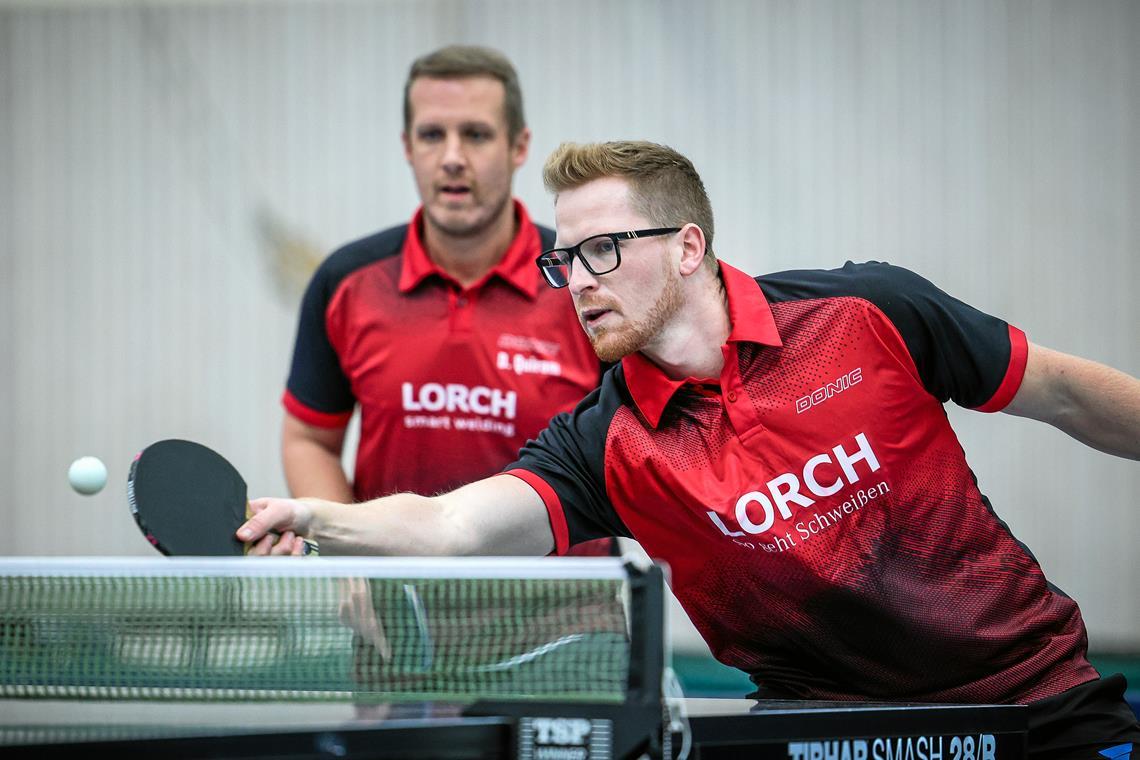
{"x":365,"y":631}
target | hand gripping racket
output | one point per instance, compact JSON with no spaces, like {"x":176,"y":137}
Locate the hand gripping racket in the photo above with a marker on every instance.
{"x":188,"y":500}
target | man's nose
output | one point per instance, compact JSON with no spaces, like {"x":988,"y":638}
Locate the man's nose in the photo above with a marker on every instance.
{"x":454,"y":157}
{"x":581,"y":280}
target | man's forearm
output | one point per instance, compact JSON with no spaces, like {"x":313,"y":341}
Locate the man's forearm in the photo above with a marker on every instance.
{"x":313,"y":471}
{"x":401,"y":524}
{"x":1104,"y":411}
{"x":1094,"y":403}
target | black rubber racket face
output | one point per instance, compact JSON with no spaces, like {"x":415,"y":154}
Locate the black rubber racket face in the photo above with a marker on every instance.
{"x":187,"y":499}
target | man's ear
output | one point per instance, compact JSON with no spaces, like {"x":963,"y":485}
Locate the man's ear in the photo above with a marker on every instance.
{"x":521,"y":147}
{"x":407,"y":146}
{"x":692,"y":248}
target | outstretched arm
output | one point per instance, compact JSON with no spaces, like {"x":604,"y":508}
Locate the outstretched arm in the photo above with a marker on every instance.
{"x":498,"y":515}
{"x":1096,"y":404}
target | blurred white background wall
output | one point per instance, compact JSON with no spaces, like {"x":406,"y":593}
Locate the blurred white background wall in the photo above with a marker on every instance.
{"x":170,"y":171}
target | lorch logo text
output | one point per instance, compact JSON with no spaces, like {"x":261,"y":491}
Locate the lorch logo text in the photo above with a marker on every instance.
{"x":756,"y":511}
{"x":454,"y":397}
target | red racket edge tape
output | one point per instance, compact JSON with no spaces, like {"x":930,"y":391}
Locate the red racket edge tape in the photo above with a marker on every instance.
{"x":135,"y":507}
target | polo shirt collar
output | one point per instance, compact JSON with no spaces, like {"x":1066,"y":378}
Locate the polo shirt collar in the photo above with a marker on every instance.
{"x":516,"y":267}
{"x":751,"y":320}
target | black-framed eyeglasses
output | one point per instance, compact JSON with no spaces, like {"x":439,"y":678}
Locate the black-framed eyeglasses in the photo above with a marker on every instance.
{"x":599,"y":253}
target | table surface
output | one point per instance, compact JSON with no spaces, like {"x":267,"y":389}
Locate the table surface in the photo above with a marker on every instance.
{"x":716,"y":728}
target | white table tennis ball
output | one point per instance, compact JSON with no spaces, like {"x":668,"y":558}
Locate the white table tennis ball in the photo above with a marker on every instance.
{"x":87,"y":475}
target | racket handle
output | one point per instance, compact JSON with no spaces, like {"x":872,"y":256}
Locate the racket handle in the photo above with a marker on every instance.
{"x":309,"y":548}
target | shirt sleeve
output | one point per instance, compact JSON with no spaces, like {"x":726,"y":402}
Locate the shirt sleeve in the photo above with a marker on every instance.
{"x":566,"y":466}
{"x":961,"y":354}
{"x":317,"y":391}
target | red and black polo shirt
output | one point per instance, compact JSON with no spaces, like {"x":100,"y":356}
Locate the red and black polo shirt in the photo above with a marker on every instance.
{"x":451,"y":381}
{"x":823,"y":529}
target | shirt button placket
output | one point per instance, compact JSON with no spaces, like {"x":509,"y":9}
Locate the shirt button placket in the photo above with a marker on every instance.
{"x":740,"y":413}
{"x":460,"y":304}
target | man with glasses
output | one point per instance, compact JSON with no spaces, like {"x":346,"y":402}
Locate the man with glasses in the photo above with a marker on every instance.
{"x":439,"y":330}
{"x":781,"y":443}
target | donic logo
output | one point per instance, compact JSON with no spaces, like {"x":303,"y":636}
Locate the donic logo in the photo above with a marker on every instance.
{"x":1119,"y":752}
{"x":823,"y":393}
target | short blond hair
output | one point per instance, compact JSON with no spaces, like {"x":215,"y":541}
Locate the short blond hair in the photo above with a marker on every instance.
{"x":464,"y":61}
{"x":665,"y":187}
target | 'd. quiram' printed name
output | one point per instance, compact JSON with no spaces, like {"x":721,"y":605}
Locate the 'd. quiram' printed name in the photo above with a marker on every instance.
{"x":521,"y":364}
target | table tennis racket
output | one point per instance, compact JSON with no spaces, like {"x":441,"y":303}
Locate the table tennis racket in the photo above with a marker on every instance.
{"x":188,"y":500}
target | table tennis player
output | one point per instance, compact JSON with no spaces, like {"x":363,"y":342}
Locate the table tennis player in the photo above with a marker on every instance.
{"x":440,"y":330}
{"x":780,"y":441}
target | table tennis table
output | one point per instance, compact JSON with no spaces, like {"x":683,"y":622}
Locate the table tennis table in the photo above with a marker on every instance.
{"x":205,"y":658}
{"x":716,"y":728}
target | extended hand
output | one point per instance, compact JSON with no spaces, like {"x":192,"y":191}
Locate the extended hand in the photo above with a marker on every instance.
{"x":276,"y":526}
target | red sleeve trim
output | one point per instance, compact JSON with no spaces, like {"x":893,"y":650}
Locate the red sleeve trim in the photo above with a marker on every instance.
{"x":553,"y":508}
{"x":1018,"y":353}
{"x":312,"y":416}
